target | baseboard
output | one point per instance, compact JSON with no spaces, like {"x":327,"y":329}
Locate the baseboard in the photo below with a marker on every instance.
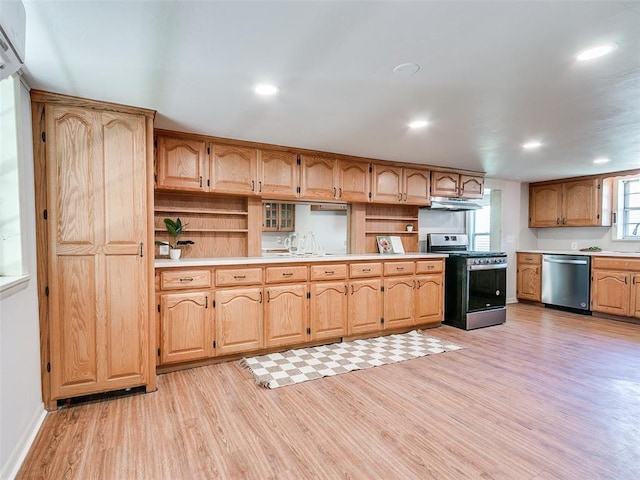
{"x":10,"y":469}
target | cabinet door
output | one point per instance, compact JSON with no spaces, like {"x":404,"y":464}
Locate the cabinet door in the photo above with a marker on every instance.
{"x":545,"y":205}
{"x":429,"y":299}
{"x":445,"y":184}
{"x":96,"y":189}
{"x":365,"y":306}
{"x":182,"y":164}
{"x":353,"y":181}
{"x":270,"y":216}
{"x":286,"y":315}
{"x":186,"y":327}
{"x":279,"y":174}
{"x":386,"y":184}
{"x":328,"y":310}
{"x":416,"y":186}
{"x":318,"y":178}
{"x":635,"y":295}
{"x":528,"y":282}
{"x":398,"y":302}
{"x":580,"y":203}
{"x":471,"y":186}
{"x":286,"y":217}
{"x":234,"y":169}
{"x":239,"y":323}
{"x":610,"y":292}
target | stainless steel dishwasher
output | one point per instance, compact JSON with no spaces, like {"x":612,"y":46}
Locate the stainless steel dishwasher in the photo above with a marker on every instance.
{"x":566,"y":281}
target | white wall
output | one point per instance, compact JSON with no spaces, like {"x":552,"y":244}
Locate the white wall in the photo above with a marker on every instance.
{"x":21,"y":408}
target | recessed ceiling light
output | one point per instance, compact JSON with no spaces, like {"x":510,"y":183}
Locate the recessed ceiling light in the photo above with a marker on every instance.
{"x":596,"y":52}
{"x":418,"y":124}
{"x":601,"y":160}
{"x":266,"y":89}
{"x":406,"y":69}
{"x":532,"y":145}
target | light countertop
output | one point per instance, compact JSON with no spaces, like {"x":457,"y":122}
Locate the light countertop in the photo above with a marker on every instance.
{"x":286,"y":258}
{"x":603,"y":253}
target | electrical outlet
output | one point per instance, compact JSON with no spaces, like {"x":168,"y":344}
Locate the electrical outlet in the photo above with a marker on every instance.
{"x":574,"y":245}
{"x":164,"y":249}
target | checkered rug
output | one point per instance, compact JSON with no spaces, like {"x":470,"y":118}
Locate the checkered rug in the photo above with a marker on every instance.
{"x":295,"y":366}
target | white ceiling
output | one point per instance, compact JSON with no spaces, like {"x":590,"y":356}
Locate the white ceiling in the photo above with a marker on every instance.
{"x":493,"y":75}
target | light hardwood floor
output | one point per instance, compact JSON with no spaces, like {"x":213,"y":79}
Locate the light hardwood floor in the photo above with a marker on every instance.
{"x":549,"y":395}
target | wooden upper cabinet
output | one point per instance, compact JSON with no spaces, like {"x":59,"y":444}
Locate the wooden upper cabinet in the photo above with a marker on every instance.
{"x":399,"y":185}
{"x":416,"y":186}
{"x":580,"y":203}
{"x":278,"y":176}
{"x":471,"y":186}
{"x":575,"y":203}
{"x":182,"y":164}
{"x":545,"y":205}
{"x":452,"y":184}
{"x":353,"y":181}
{"x":318,"y":177}
{"x":386,"y":183}
{"x":234,"y":169}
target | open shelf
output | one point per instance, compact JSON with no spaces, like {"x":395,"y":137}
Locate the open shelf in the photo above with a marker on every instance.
{"x":196,"y":211}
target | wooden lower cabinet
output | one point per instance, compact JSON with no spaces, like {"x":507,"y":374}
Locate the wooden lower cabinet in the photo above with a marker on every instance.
{"x":365,"y":306}
{"x":398,"y":302}
{"x":328,"y":310}
{"x":286,"y":315}
{"x":429,"y":299}
{"x":615,"y":286}
{"x":529,"y":276}
{"x":187,"y":327}
{"x":239,"y":320}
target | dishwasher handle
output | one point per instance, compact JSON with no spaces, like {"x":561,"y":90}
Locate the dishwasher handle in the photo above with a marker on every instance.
{"x":572,"y":262}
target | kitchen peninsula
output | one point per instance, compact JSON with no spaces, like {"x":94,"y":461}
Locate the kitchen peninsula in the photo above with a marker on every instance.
{"x":211,"y":308}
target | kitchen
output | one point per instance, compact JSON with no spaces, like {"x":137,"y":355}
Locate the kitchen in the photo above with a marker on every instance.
{"x":514,"y":233}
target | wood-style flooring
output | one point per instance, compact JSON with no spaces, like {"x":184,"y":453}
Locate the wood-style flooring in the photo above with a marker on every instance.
{"x":549,"y":395}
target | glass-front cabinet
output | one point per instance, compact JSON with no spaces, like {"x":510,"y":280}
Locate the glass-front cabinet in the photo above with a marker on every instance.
{"x":278,"y":217}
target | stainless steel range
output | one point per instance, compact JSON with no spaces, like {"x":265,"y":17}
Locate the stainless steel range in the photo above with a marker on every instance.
{"x":475,"y":282}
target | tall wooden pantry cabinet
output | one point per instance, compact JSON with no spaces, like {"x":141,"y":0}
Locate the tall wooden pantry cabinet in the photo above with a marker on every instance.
{"x":94,"y":190}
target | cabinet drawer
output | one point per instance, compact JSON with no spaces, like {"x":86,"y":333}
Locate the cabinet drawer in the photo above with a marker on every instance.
{"x":616,"y":263}
{"x":328,"y":272}
{"x":177,"y":279}
{"x":399,"y":268}
{"x":429,"y":266}
{"x":533,"y":258}
{"x":238,"y":276}
{"x":286,"y":274}
{"x":364,"y":270}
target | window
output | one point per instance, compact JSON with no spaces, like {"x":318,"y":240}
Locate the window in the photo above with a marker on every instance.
{"x":12,"y":268}
{"x":628,"y":214}
{"x":480,"y":222}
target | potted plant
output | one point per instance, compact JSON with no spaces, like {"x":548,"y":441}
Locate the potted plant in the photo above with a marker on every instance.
{"x":175,"y":229}
{"x":409,"y":227}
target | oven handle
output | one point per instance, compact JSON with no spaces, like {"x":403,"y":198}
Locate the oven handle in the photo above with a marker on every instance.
{"x":494,"y":266}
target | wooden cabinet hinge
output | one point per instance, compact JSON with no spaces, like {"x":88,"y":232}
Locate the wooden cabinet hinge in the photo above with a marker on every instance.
{"x":44,"y":136}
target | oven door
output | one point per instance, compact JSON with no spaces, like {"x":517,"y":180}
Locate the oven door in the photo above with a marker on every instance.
{"x":487,"y":285}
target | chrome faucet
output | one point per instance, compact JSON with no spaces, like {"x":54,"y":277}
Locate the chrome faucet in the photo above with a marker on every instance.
{"x":635,"y":230}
